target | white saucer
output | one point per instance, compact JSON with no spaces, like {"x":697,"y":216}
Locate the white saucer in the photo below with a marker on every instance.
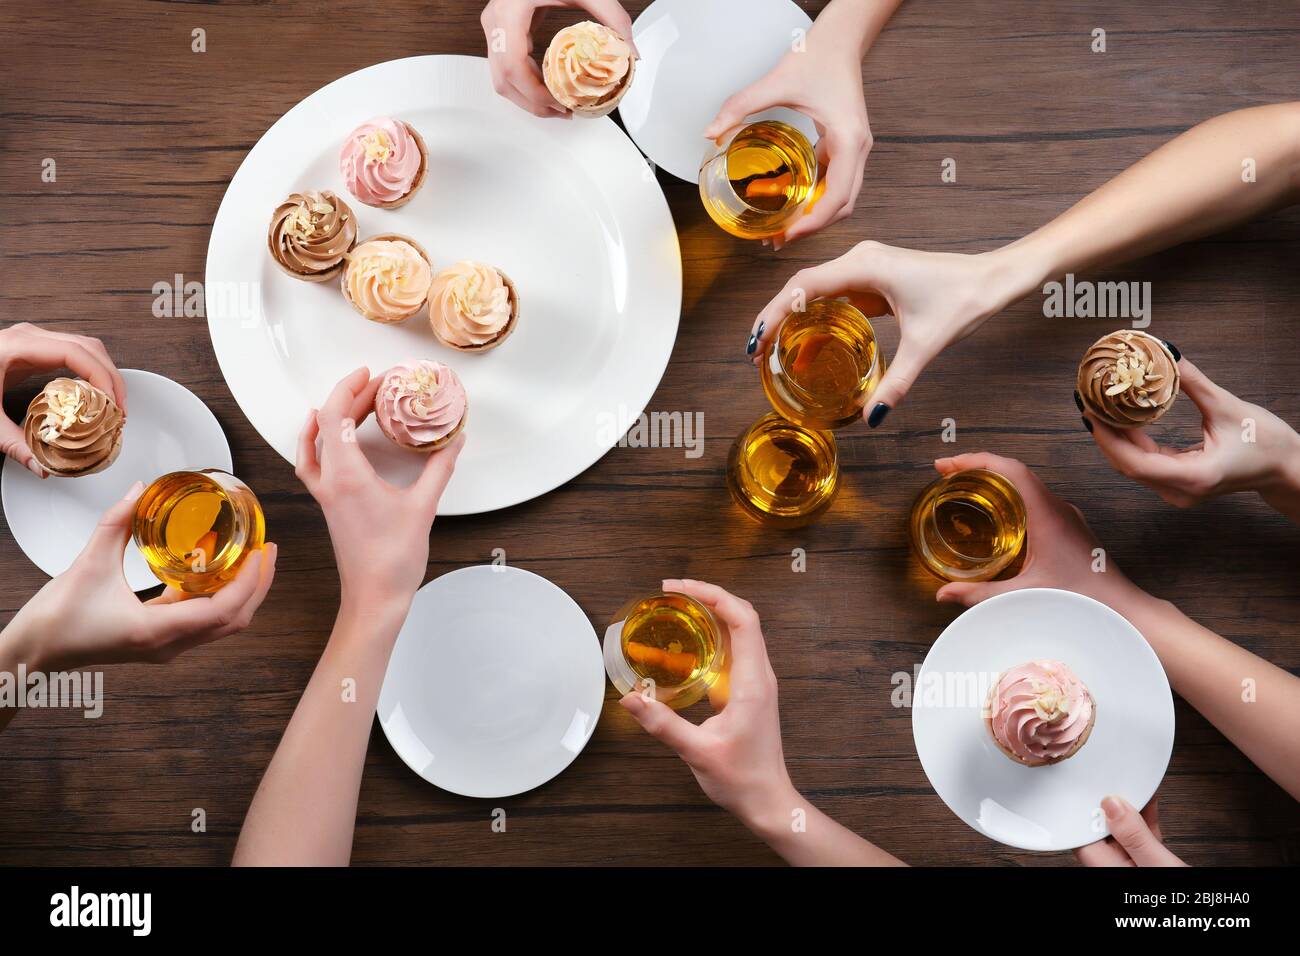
{"x":1055,"y":807}
{"x":694,"y":55}
{"x":496,"y":682}
{"x":168,"y":428}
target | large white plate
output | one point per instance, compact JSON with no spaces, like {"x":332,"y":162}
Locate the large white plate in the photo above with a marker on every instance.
{"x":567,"y":209}
{"x":168,"y":428}
{"x":1056,"y":807}
{"x":694,"y":55}
{"x":495,"y":684}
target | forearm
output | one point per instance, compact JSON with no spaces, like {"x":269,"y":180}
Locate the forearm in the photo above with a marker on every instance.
{"x":1195,"y":185}
{"x":1253,"y":703}
{"x":18,"y":649}
{"x":855,"y":22}
{"x":305,"y":809}
{"x":1282,"y":490}
{"x":804,"y":836}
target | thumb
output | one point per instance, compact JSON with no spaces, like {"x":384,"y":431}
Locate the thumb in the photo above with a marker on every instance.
{"x":1196,"y":385}
{"x":109,"y":537}
{"x":662,"y":722}
{"x":1132,"y":833}
{"x":899,"y":378}
{"x":752,"y":99}
{"x":612,"y":14}
{"x":14,"y":445}
{"x":970,"y":593}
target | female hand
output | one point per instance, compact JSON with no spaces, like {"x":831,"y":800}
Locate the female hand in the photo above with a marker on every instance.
{"x":26,"y":349}
{"x":736,"y":755}
{"x":508,"y":26}
{"x":1134,"y":839}
{"x":938,"y":297}
{"x":89,"y":615}
{"x":823,"y":81}
{"x":1245,"y":448}
{"x":1061,"y":551}
{"x":380,"y":533}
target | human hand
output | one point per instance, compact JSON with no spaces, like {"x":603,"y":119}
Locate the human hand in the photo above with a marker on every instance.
{"x":508,"y":26}
{"x":89,"y":615}
{"x":1244,"y":448}
{"x":736,"y":754}
{"x":938,"y":298}
{"x":380,"y":532}
{"x":1134,"y":839}
{"x":1061,"y":550}
{"x":823,"y":81}
{"x":26,"y":349}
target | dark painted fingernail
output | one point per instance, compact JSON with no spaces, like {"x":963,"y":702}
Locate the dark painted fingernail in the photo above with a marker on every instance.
{"x":1087,"y":424}
{"x":877,"y":414}
{"x":752,"y":344}
{"x":1173,"y":350}
{"x":1078,"y":400}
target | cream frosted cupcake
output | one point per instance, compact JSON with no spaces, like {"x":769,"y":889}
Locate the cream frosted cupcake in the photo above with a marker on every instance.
{"x":1039,"y":713}
{"x":420,"y":405}
{"x":384,"y":162}
{"x":1128,"y":379}
{"x":73,"y":428}
{"x":387,"y":278}
{"x":588,"y":67}
{"x":472,"y":306}
{"x":310,"y":234}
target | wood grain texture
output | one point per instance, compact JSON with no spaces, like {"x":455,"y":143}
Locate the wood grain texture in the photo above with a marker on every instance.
{"x":147,"y":134}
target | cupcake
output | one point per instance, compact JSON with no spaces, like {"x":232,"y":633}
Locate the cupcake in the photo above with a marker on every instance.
{"x":73,"y":428}
{"x":1128,"y":379}
{"x":588,"y":67}
{"x":420,"y":405}
{"x":472,"y":307}
{"x":384,"y":162}
{"x":387,"y":278}
{"x":1039,"y":713}
{"x":310,"y":235}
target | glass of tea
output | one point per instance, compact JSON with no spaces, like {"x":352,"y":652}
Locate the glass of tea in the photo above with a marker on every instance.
{"x":196,"y":528}
{"x":968,"y":526}
{"x":822,"y":365}
{"x":782,"y":474}
{"x":667,"y":645}
{"x":755,"y":184}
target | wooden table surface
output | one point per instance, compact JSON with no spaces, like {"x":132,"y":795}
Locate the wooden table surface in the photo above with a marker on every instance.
{"x":146,"y":135}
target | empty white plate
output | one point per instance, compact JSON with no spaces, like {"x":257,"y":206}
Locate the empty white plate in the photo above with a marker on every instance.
{"x":1055,"y":807}
{"x":168,"y":428}
{"x":694,"y":55}
{"x":566,"y":209}
{"x":496,"y":682}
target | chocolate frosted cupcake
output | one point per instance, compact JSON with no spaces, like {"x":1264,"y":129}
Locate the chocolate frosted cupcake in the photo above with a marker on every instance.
{"x":1128,"y":379}
{"x":73,"y":428}
{"x":310,"y":234}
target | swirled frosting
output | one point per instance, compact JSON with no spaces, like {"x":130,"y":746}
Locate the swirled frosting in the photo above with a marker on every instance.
{"x":469,"y":304}
{"x":311,"y":232}
{"x":1128,"y":379}
{"x":73,"y":428}
{"x":585,"y":65}
{"x":387,"y":279}
{"x":380,"y":161}
{"x":1039,"y":712}
{"x":420,"y":403}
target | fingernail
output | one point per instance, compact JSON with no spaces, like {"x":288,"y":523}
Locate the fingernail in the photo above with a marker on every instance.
{"x":1078,"y":400}
{"x":752,"y":344}
{"x":134,"y":491}
{"x":877,"y":414}
{"x":1087,"y":424}
{"x":1173,"y":350}
{"x":35,"y":468}
{"x":1113,"y":808}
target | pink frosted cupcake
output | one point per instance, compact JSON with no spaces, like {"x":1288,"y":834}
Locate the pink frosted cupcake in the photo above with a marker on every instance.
{"x":384,"y":162}
{"x":472,"y":307}
{"x":1039,"y":713}
{"x":420,"y":405}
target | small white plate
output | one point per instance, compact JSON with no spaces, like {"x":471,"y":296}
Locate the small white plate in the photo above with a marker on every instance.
{"x":694,"y":55}
{"x":168,"y":428}
{"x":496,"y":682}
{"x":1056,"y":807}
